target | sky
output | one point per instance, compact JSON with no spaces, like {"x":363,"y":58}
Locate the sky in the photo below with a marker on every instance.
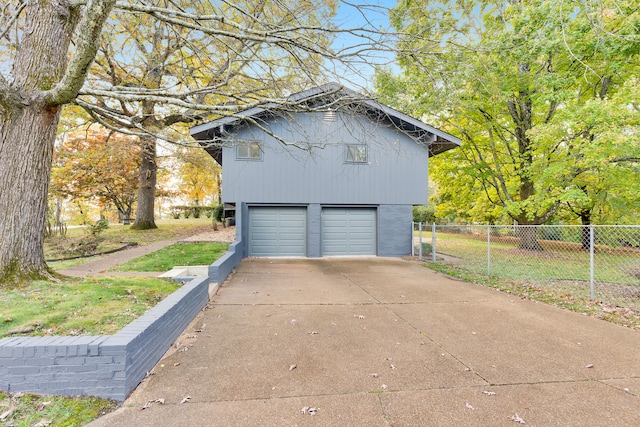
{"x":363,"y":13}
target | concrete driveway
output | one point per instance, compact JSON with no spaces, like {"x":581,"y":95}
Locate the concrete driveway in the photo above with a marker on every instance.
{"x":386,"y":342}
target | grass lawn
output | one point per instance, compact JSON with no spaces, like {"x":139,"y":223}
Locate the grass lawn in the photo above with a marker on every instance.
{"x":98,"y":305}
{"x":22,"y":409}
{"x":91,"y":306}
{"x":558,"y":275}
{"x":117,"y":235}
{"x":554,"y":295}
{"x":560,"y":261}
{"x":176,"y":254}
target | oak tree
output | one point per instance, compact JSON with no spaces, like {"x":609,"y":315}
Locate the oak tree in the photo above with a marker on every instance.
{"x":199,"y":69}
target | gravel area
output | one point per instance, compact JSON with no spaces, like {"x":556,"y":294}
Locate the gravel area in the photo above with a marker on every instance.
{"x":224,"y":234}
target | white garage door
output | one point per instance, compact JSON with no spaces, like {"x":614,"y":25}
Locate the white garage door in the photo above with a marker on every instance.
{"x":348,"y":231}
{"x":277,"y":231}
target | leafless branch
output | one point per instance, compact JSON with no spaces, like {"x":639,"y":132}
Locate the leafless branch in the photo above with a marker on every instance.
{"x":12,"y":19}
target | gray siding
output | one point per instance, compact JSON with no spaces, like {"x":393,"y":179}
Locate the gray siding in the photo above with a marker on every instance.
{"x":396,"y":171}
{"x":394,"y":230}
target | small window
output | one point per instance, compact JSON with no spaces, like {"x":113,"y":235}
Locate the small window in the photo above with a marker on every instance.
{"x":356,"y":154}
{"x":248,"y":150}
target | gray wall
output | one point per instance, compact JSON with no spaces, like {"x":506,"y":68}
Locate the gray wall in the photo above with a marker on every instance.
{"x":394,"y":230}
{"x":396,"y":171}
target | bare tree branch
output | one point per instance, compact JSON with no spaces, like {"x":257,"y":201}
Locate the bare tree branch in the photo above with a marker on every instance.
{"x":12,"y":19}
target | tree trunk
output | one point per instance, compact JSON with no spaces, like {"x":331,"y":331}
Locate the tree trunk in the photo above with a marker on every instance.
{"x":219,"y":185}
{"x":27,"y":134}
{"x":126,"y":217}
{"x":585,"y":217}
{"x":145,"y":218}
{"x":26,"y":149}
{"x":529,"y":238}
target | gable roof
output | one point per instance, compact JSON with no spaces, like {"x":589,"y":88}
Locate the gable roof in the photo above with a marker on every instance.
{"x":321,"y":98}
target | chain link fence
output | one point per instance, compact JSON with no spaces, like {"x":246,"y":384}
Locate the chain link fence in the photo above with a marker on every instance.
{"x":597,"y":262}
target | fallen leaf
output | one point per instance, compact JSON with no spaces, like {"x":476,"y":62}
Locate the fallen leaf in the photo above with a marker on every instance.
{"x":516,"y":418}
{"x":312,"y":333}
{"x":309,"y":410}
{"x":374,"y":375}
{"x":589,"y":366}
{"x":42,"y":423}
{"x":358,"y":316}
{"x":185,"y":400}
{"x":469,"y":406}
{"x":42,"y":405}
{"x":150,"y":403}
{"x":176,"y":364}
{"x":6,"y":413}
{"x":292,"y":367}
{"x":489,"y":393}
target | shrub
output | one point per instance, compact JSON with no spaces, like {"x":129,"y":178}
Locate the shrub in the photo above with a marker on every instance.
{"x":424,"y":214}
{"x":218,"y":212}
{"x":175,"y":212}
{"x":98,"y":227}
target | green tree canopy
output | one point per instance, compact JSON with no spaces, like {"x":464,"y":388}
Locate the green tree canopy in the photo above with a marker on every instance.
{"x":544,"y":95}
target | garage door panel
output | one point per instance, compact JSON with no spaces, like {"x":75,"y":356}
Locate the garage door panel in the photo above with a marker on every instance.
{"x":348,"y":231}
{"x":277,"y":231}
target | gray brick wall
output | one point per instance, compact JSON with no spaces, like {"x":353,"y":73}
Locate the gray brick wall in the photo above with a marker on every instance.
{"x":105,"y":366}
{"x":394,"y":232}
{"x":223,"y":266}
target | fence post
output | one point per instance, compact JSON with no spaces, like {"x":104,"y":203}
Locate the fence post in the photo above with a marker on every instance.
{"x":488,"y":250}
{"x":591,"y":263}
{"x":420,"y":239}
{"x":433,"y":242}
{"x":413,"y":240}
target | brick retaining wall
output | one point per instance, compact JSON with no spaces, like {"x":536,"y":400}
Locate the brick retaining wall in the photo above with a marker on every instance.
{"x":109,"y":366}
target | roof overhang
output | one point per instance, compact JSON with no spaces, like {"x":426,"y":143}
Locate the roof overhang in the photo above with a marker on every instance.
{"x":211,"y":134}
